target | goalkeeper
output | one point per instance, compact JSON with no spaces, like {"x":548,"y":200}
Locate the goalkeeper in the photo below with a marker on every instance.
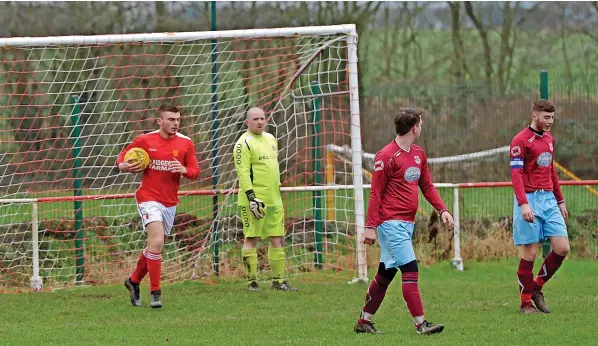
{"x":262,"y":213}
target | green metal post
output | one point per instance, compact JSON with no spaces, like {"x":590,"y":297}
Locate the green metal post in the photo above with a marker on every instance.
{"x":317,"y":169}
{"x":214,"y":141}
{"x":77,"y":191}
{"x":544,"y":84}
{"x":544,"y":95}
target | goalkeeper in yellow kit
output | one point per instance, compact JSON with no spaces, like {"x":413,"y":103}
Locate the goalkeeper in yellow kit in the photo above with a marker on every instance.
{"x":262,"y":213}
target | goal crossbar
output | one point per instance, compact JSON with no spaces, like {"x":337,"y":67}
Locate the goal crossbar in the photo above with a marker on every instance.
{"x":349,"y":29}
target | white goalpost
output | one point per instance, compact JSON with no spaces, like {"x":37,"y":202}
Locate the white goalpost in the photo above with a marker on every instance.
{"x":71,"y":103}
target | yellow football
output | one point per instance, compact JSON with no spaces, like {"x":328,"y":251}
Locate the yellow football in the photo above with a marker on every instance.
{"x":138,"y":155}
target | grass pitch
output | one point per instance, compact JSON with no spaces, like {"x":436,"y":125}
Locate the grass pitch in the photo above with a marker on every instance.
{"x":478,"y":307}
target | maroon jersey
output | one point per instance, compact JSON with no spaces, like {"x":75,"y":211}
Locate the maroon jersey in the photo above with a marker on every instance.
{"x":532,"y":165}
{"x":159,"y":184}
{"x":397,"y":175}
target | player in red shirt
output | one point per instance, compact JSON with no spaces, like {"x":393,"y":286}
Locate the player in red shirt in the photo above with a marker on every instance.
{"x":399,"y":169}
{"x":172,"y":156}
{"x":539,"y":210}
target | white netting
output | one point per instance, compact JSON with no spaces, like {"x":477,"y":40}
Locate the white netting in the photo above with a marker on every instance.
{"x":90,"y":99}
{"x":465,"y":165}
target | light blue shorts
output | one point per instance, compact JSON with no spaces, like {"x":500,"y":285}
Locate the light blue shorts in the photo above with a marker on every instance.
{"x":548,"y":220}
{"x":395,"y":242}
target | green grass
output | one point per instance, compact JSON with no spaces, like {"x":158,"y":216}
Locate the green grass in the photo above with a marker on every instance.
{"x":478,"y":307}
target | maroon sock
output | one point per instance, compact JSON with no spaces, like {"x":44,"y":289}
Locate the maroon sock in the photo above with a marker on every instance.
{"x":411,"y":293}
{"x":525,"y":273}
{"x":140,"y":269}
{"x":374,"y":297}
{"x":551,"y":264}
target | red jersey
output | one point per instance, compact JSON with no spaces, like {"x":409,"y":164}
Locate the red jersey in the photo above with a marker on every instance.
{"x":159,"y":184}
{"x":532,"y":166}
{"x":397,"y":175}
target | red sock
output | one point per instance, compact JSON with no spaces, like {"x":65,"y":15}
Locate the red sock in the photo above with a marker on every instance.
{"x":526,"y":281}
{"x":154,"y":267}
{"x":411,"y":293}
{"x":374,"y":297}
{"x":551,"y":264}
{"x":141,"y":269}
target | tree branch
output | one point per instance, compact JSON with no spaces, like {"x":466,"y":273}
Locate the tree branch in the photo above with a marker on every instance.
{"x":484,"y":36}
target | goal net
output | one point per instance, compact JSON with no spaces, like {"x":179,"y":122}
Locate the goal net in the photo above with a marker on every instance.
{"x":69,"y":105}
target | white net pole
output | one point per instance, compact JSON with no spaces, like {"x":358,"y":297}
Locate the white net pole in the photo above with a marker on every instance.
{"x":457,"y":260}
{"x":36,"y":279}
{"x":362,"y":274}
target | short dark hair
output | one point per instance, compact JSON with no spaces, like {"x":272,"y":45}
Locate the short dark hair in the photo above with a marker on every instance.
{"x":168,"y":108}
{"x":543,"y":106}
{"x":405,"y":119}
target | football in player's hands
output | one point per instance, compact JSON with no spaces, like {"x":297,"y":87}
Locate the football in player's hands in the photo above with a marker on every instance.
{"x":137,"y":157}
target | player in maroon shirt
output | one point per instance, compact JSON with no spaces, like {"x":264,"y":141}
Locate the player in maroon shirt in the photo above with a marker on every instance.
{"x":172,"y":156}
{"x":399,"y":169}
{"x":539,"y":210}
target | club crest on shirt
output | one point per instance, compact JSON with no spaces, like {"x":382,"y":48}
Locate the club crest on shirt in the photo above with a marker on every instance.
{"x":175,"y":152}
{"x":550,"y":146}
{"x":515,"y":151}
{"x":417,"y":159}
{"x":412,"y":174}
{"x":545,"y":159}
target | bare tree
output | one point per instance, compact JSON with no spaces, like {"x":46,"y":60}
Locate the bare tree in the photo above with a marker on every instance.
{"x":400,"y":36}
{"x":512,"y":17}
{"x":589,"y":29}
{"x":483,"y":32}
{"x":507,"y":44}
{"x":459,"y":60}
{"x":563,"y":35}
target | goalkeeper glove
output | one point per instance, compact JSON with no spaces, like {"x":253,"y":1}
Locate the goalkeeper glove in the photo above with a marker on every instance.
{"x":257,"y":207}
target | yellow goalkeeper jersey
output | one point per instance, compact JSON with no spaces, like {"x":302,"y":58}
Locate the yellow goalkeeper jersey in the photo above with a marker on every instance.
{"x":256,"y":163}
